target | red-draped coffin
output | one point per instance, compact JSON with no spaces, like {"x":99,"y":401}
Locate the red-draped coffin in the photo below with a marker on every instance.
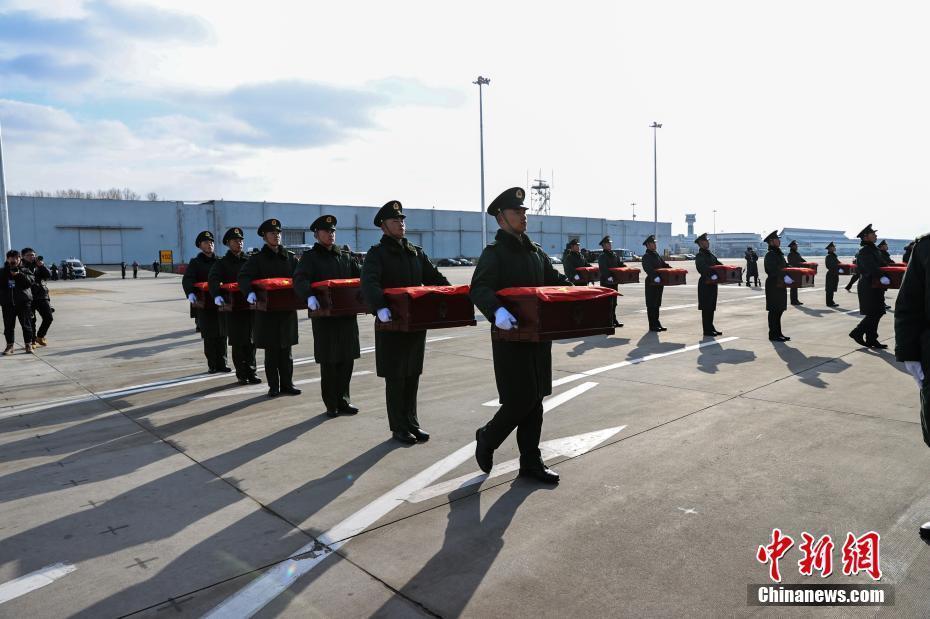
{"x":894,"y":273}
{"x":809,"y":265}
{"x":202,"y":291}
{"x":233,"y":297}
{"x":845,"y":268}
{"x":726,"y":274}
{"x":588,"y":274}
{"x":417,"y":308}
{"x":276,"y":295}
{"x":338,"y":297}
{"x":625,"y":275}
{"x":801,"y":278}
{"x":672,"y":277}
{"x":548,"y":313}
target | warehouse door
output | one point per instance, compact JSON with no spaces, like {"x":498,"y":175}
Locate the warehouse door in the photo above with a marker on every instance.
{"x":90,"y":246}
{"x":101,"y":246}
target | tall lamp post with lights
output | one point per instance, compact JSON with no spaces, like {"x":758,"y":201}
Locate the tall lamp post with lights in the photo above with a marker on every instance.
{"x":655,"y":177}
{"x":482,"y":81}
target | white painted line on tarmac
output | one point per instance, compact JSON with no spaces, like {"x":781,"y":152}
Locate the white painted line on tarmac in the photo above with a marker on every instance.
{"x":264,"y":388}
{"x":569,"y":447}
{"x":261,"y":591}
{"x":34,"y":580}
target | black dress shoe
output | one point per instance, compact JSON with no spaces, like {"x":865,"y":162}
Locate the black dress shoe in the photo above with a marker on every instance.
{"x":540,"y":473}
{"x":833,"y":304}
{"x":421,"y":434}
{"x":784,"y":338}
{"x":858,"y":338}
{"x":925,"y":532}
{"x":404,"y":437}
{"x":273,"y":393}
{"x":798,"y":303}
{"x":617,"y":323}
{"x":662,"y":329}
{"x":718,"y":332}
{"x":483,"y":453}
{"x":211,"y":370}
{"x":332,"y":413}
{"x":243,"y":381}
{"x":292,"y":390}
{"x":710,"y":333}
{"x":875,"y":344}
{"x":253,"y":380}
{"x":348,"y":409}
{"x":224,"y":369}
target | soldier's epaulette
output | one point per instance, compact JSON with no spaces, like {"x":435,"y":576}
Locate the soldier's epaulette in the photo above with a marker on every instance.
{"x":922,"y":236}
{"x":536,"y":246}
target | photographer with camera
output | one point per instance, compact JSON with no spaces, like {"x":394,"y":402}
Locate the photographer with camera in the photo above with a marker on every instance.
{"x":16,"y":299}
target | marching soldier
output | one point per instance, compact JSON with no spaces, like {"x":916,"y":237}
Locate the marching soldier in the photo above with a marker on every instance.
{"x":795,"y":259}
{"x":707,"y":285}
{"x":752,"y":265}
{"x":853,"y":279}
{"x":609,"y":260}
{"x":41,"y":302}
{"x":652,"y":261}
{"x":776,"y":301}
{"x":335,"y":338}
{"x":395,"y":263}
{"x":198,"y":270}
{"x":274,"y":331}
{"x":16,"y":299}
{"x":522,"y":370}
{"x":571,"y":260}
{"x":833,"y":274}
{"x":871,"y":300}
{"x":912,"y":332}
{"x":235,"y":325}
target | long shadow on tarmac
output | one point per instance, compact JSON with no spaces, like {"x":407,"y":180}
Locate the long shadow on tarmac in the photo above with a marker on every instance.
{"x":712,"y":355}
{"x":155,"y":338}
{"x":816,"y":313}
{"x":809,"y":369}
{"x":240,"y":546}
{"x":600,"y":342}
{"x":649,"y":344}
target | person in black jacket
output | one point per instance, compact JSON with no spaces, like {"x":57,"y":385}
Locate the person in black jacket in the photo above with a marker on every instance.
{"x":833,"y":274}
{"x":795,"y":259}
{"x":752,"y":266}
{"x":198,"y":270}
{"x":41,"y":302}
{"x":16,"y":299}
{"x":707,"y":285}
{"x":122,"y":268}
{"x":652,"y":261}
{"x":156,"y":268}
{"x":606,"y":261}
{"x":274,"y":331}
{"x":236,"y":325}
{"x":572,"y":260}
{"x":522,"y":370}
{"x":397,"y":263}
{"x":335,"y":338}
{"x":776,"y":301}
{"x":871,"y":299}
{"x":908,"y":249}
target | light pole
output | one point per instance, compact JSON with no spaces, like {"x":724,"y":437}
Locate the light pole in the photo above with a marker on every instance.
{"x":5,"y":237}
{"x":655,"y":178}
{"x":715,"y":225}
{"x":482,"y":81}
{"x":633,"y":204}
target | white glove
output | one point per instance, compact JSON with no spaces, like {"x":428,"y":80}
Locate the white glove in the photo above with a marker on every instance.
{"x":657,"y":279}
{"x":504,"y":319}
{"x":192,"y":297}
{"x":916,"y":370}
{"x":840,"y":271}
{"x":577,"y":277}
{"x":788,"y":279}
{"x":384,"y":314}
{"x":884,"y":280}
{"x":251,"y":298}
{"x":313,"y":304}
{"x":713,"y":278}
{"x":218,"y":300}
{"x":610,"y":279}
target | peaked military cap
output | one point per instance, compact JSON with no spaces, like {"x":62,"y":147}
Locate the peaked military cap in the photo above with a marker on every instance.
{"x":830,"y":245}
{"x":703,"y":237}
{"x":392,"y":210}
{"x":511,"y":198}
{"x":867,"y":230}
{"x":772,"y":235}
{"x":573,"y":242}
{"x":606,"y":239}
{"x":233,"y":233}
{"x":884,"y":242}
{"x":269,"y":225}
{"x":323,"y":222}
{"x":206,"y":235}
{"x":793,"y":243}
{"x":649,"y":239}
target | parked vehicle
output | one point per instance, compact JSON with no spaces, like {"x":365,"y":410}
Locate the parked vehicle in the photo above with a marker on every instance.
{"x":77,"y":267}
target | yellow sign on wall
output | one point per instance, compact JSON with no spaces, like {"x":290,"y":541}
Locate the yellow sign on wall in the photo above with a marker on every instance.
{"x":166,"y":256}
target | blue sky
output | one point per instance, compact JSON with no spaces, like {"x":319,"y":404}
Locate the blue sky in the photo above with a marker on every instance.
{"x":801,"y":114}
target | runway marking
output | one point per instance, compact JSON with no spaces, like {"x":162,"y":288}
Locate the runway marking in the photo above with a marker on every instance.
{"x":111,"y":394}
{"x":755,"y":296}
{"x":261,"y":591}
{"x":34,"y":580}
{"x":263,"y":388}
{"x":613,"y":366}
{"x":569,"y":447}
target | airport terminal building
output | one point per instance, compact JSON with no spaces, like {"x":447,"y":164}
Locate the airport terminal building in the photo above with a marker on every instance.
{"x":113,"y":231}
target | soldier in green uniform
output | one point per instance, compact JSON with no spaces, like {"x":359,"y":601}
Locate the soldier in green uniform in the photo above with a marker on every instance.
{"x":275,"y":331}
{"x":522,"y":370}
{"x":236,"y":325}
{"x":887,"y":260}
{"x":606,"y":261}
{"x":571,"y":260}
{"x":871,"y":300}
{"x":833,"y":274}
{"x":397,"y":263}
{"x":912,"y":332}
{"x":776,"y":301}
{"x":706,"y":286}
{"x":198,"y":270}
{"x":795,"y":259}
{"x":335,"y":338}
{"x":652,"y":261}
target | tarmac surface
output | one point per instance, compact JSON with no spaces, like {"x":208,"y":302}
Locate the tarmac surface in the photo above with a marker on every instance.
{"x":132,"y":483}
